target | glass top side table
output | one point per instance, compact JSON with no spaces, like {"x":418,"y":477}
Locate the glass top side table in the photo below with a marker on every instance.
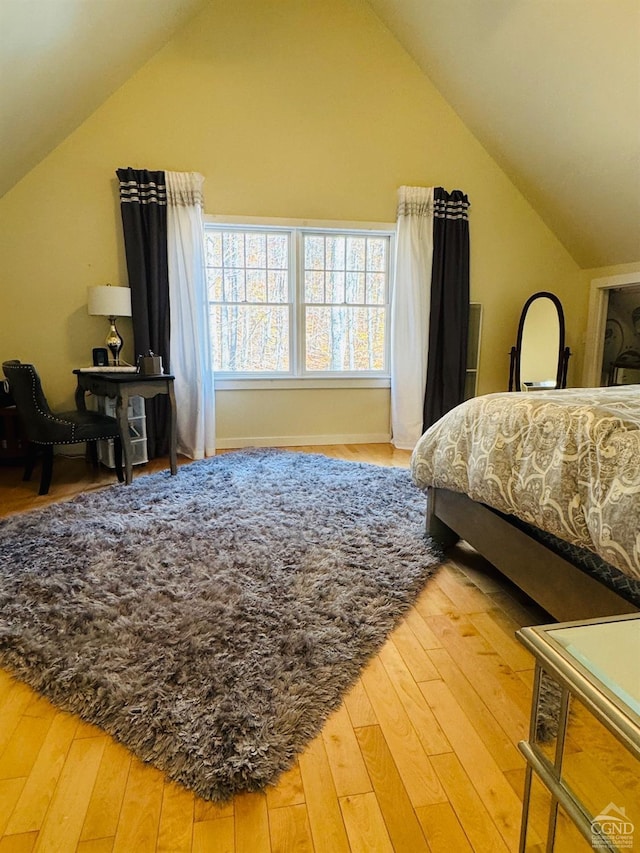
{"x":597,"y":661}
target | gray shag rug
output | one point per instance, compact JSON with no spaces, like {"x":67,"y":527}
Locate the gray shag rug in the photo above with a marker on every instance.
{"x":213,"y":620}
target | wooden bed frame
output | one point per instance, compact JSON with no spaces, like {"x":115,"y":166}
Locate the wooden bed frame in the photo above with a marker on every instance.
{"x":563,"y":590}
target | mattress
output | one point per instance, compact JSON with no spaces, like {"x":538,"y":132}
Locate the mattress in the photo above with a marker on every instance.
{"x":566,"y":462}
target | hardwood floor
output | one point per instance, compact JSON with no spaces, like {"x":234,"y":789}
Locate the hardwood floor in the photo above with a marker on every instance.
{"x":421,"y":756}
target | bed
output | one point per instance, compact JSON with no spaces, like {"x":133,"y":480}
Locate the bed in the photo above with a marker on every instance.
{"x":546,"y":486}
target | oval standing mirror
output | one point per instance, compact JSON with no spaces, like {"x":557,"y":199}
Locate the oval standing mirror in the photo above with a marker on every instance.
{"x":539,"y":358}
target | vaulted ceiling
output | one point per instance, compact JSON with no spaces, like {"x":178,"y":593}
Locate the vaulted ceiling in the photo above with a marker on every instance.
{"x":60,"y":59}
{"x":550,"y":88}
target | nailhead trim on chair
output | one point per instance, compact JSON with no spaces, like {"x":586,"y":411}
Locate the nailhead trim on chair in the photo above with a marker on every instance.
{"x":75,"y":441}
{"x":52,"y":417}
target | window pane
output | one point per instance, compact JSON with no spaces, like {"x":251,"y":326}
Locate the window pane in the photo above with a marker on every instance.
{"x":376,"y":288}
{"x":250,"y":338}
{"x":256,"y":286}
{"x":233,"y":248}
{"x":214,"y":282}
{"x":335,"y":253}
{"x":213,"y":249}
{"x":234,"y":286}
{"x":376,"y":254}
{"x":314,"y":253}
{"x":314,"y":287}
{"x":354,"y":287}
{"x":344,"y":338}
{"x":355,"y":253}
{"x":278,"y":251}
{"x":256,"y":249}
{"x":335,"y":287}
{"x":278,"y":282}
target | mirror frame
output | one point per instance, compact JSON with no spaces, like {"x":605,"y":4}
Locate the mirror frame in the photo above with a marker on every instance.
{"x":563,"y":351}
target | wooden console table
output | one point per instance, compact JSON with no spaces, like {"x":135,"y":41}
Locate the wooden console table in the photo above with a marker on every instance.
{"x":122,"y":386}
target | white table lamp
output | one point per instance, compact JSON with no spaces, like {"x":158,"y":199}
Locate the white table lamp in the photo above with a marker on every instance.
{"x":111,"y":302}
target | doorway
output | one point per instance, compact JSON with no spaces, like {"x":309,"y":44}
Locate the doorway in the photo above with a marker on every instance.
{"x":611,"y":331}
{"x":621,"y":352}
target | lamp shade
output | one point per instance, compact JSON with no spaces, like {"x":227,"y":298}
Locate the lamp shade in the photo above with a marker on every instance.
{"x":108,"y":301}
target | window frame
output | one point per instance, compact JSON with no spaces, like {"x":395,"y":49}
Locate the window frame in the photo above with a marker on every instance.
{"x":298,"y":375}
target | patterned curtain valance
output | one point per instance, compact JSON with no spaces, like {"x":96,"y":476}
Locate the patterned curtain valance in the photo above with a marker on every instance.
{"x":415,"y":201}
{"x":453,"y":205}
{"x":139,"y":186}
{"x":185,"y":189}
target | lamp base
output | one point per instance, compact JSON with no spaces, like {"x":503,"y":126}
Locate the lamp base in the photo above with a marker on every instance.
{"x":114,"y":342}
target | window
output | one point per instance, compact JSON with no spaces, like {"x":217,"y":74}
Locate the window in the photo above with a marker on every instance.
{"x":248,"y":274}
{"x":298,"y":302}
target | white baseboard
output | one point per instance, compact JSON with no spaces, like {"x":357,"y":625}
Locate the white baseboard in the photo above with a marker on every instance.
{"x":302,"y":440}
{"x":77,"y":450}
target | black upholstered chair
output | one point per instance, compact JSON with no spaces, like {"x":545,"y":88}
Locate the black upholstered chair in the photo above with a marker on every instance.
{"x":44,"y":428}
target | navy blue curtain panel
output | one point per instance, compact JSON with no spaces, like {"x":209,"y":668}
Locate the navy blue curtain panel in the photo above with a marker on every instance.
{"x":143,"y":204}
{"x":449,"y":314}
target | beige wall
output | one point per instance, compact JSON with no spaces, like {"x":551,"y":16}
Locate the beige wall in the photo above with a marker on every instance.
{"x":291,"y":109}
{"x":314,"y":416}
{"x":604,"y":272}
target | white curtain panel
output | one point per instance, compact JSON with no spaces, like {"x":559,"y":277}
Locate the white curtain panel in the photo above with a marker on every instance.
{"x":190,"y":349}
{"x":410,"y":305}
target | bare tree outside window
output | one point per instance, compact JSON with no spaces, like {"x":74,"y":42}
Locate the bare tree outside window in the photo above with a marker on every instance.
{"x":248,"y":280}
{"x":338,"y":311}
{"x":345,"y":296}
